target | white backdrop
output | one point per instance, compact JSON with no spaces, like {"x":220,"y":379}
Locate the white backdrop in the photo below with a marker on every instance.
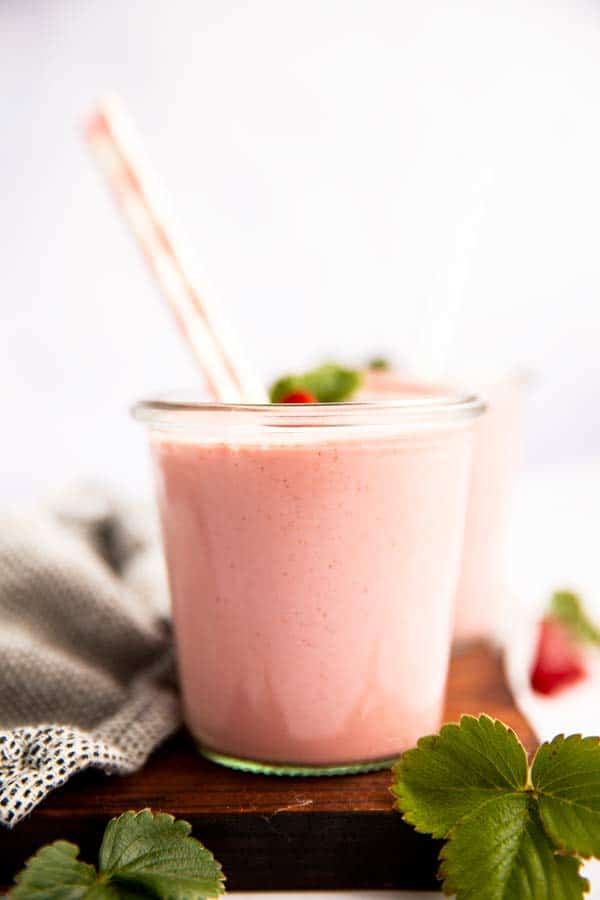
{"x":346,"y":170}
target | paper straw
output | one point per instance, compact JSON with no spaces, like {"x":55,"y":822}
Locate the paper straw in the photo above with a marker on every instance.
{"x":117,"y":150}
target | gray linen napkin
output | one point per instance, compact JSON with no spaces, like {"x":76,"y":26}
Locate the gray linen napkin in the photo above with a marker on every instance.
{"x":86,"y":668}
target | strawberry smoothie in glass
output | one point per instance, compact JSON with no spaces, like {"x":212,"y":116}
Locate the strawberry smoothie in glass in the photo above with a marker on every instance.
{"x":313,"y":552}
{"x":481,"y":596}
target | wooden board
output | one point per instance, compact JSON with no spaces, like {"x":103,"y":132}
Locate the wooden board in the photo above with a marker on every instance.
{"x":271,"y":832}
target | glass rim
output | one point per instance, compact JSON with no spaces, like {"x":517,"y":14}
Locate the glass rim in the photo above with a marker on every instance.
{"x":174,"y":410}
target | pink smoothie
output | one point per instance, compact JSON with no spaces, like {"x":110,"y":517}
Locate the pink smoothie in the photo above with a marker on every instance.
{"x":481,"y":593}
{"x":312,"y":571}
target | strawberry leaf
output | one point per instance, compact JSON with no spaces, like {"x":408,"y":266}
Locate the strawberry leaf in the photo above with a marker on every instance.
{"x":289,"y":384}
{"x":329,"y":383}
{"x":155,"y":853}
{"x":450,"y":775}
{"x":55,"y":873}
{"x":501,"y":851}
{"x":142,"y":855}
{"x":509,"y":833}
{"x":567,"y":608}
{"x":379,"y":364}
{"x":566,"y":779}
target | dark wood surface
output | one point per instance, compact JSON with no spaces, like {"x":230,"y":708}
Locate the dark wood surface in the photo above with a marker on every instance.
{"x":271,"y":832}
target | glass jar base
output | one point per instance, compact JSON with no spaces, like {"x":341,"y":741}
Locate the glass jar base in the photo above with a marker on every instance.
{"x":266,"y":768}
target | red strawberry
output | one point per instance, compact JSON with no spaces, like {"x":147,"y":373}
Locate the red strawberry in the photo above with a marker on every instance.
{"x":558,"y":663}
{"x":298,"y":397}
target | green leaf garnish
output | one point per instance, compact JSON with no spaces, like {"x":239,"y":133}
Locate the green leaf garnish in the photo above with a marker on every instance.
{"x":510,"y":831}
{"x":379,"y":363}
{"x":450,"y":774}
{"x":504,"y":852}
{"x":55,"y":873}
{"x":142,"y":855}
{"x":284,"y":386}
{"x":329,"y":383}
{"x":567,"y":608}
{"x":566,"y":778}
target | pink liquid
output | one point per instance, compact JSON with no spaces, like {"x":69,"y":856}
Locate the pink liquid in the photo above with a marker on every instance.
{"x":481,"y":592}
{"x":312,"y":582}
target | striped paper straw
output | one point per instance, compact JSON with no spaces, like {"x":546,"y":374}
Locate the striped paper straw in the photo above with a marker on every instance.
{"x":117,"y":150}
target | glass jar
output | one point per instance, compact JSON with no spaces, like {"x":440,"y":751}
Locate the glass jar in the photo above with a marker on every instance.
{"x":313,"y":552}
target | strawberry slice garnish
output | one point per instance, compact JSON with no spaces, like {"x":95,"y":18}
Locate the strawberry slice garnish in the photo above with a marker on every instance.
{"x":298,"y":397}
{"x":558,"y":662}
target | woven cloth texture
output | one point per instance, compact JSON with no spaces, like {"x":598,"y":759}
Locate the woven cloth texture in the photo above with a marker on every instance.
{"x":86,"y":663}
